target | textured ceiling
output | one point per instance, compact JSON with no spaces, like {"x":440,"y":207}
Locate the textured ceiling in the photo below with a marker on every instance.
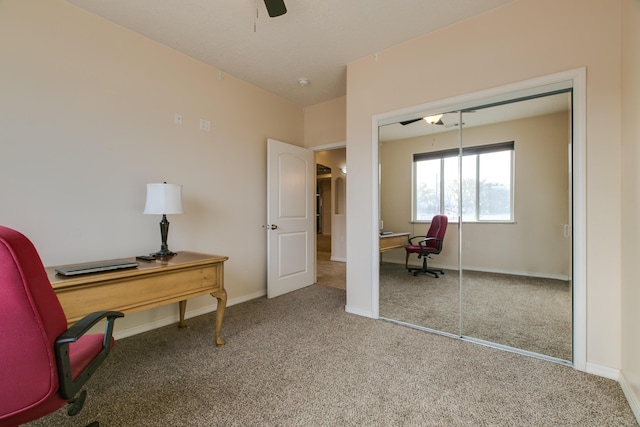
{"x":316,"y":39}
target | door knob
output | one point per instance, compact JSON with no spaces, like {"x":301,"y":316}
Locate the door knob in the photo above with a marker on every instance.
{"x":272,"y":227}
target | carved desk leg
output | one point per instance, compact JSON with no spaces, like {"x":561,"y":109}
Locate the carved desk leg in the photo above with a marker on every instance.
{"x":221,"y":295}
{"x":183,"y":308}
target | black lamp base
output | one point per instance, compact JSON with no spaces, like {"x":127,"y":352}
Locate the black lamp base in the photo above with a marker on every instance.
{"x":163,"y":254}
{"x":164,"y":251}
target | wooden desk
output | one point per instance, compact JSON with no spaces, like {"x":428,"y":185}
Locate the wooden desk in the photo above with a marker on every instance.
{"x":393,"y":241}
{"x":151,"y":284}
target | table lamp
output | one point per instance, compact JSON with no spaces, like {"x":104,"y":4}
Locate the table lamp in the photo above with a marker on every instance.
{"x":163,"y":199}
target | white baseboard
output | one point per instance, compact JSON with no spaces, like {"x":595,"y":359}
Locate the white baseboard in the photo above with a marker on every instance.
{"x":338,"y":259}
{"x":488,"y":270}
{"x":520,"y":273}
{"x":359,"y":312}
{"x":189,"y":314}
{"x":617,"y":375}
{"x":634,"y":401}
{"x":603,"y":371}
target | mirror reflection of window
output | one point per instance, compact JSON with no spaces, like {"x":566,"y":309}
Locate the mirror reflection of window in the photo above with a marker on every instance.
{"x":487,"y":191}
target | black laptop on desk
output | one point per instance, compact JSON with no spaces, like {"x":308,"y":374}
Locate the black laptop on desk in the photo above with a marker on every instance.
{"x":95,"y":267}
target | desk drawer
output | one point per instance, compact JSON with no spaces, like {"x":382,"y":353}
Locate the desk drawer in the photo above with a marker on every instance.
{"x":393,"y":241}
{"x":140,"y":292}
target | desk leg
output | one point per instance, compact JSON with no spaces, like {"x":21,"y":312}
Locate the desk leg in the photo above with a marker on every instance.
{"x":183,"y":308}
{"x":221,"y":296}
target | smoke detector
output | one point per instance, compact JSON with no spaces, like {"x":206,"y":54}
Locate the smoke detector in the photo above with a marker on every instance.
{"x":303,"y":81}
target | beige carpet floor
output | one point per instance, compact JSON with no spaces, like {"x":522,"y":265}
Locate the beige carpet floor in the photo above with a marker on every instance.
{"x":329,"y":273}
{"x":301,"y":360}
{"x":526,"y":313}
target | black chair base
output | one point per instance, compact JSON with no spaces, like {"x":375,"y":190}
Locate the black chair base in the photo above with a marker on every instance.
{"x":417,"y":271}
{"x":425,"y":270}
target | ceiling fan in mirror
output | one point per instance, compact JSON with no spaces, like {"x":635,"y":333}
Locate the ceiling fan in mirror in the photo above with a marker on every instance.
{"x":436,"y":119}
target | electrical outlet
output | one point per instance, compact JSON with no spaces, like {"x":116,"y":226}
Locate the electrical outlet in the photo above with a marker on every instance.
{"x":177,"y":118}
{"x":205,"y":125}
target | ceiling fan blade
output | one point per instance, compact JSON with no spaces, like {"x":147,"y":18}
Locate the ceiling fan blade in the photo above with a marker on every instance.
{"x":275,"y":7}
{"x":408,"y":122}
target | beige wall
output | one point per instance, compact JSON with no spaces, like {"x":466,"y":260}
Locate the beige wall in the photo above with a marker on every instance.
{"x":534,"y":244}
{"x":631,"y":201}
{"x":87,"y":119}
{"x":520,"y":41}
{"x":325,"y":123}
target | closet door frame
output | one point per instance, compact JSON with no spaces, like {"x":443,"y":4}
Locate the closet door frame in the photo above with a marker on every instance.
{"x":574,"y":79}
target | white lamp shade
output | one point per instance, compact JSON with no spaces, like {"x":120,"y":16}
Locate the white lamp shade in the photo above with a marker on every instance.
{"x":163,"y":199}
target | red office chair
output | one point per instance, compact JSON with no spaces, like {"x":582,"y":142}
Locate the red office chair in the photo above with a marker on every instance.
{"x":43,"y":365}
{"x":428,"y":245}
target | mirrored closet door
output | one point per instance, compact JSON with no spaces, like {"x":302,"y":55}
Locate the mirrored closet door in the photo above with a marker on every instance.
{"x":413,"y":189}
{"x":501,"y":175}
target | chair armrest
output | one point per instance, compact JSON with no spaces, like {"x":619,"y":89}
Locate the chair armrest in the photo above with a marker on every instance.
{"x":83,"y":325}
{"x":422,"y":242}
{"x":411,"y":239}
{"x":68,"y":386}
{"x":424,"y":239}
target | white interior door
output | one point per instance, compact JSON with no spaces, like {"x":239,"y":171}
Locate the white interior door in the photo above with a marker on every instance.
{"x":290,"y":218}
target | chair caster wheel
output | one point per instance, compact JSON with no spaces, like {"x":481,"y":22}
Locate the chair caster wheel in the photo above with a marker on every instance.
{"x":76,"y":404}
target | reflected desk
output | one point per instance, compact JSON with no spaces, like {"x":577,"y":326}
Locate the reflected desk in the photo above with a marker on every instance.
{"x":393,"y":241}
{"x":151,"y":284}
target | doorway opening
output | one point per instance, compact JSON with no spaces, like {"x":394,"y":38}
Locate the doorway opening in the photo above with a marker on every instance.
{"x":331,"y":217}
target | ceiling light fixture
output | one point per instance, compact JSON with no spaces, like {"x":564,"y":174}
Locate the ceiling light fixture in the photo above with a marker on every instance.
{"x":434,"y":120}
{"x":303,"y":81}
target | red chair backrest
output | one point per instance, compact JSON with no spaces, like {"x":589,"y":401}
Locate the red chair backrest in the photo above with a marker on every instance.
{"x":31,"y":318}
{"x":437,"y":229}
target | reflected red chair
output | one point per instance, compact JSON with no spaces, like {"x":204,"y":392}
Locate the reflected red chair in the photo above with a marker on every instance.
{"x":427,"y":245}
{"x":43,"y":365}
